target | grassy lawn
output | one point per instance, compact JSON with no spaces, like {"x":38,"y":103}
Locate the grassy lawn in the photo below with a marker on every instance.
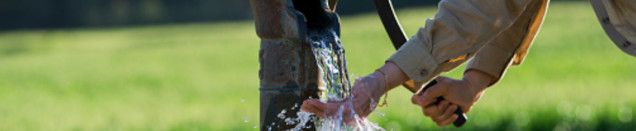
{"x":204,"y":76}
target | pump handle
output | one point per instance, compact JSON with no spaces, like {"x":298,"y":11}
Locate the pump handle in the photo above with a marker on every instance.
{"x":397,"y":36}
{"x":390,"y":22}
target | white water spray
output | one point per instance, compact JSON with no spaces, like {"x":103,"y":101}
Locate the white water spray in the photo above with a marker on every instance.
{"x":330,"y":58}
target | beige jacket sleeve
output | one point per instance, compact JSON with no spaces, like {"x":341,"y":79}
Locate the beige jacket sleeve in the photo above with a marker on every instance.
{"x":461,"y":28}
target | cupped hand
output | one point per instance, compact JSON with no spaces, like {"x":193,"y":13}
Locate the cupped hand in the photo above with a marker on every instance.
{"x":366,"y":93}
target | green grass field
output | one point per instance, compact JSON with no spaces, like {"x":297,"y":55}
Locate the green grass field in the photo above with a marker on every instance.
{"x":204,"y":76}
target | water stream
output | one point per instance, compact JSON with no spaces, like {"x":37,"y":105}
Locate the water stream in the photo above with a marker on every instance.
{"x":331,"y":60}
{"x":330,"y":57}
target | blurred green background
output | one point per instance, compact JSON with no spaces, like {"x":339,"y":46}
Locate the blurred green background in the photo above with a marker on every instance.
{"x":30,"y":14}
{"x":204,"y":76}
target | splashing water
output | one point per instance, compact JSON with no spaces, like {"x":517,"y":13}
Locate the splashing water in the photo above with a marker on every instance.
{"x":331,"y":60}
{"x":281,"y":115}
{"x":330,"y":57}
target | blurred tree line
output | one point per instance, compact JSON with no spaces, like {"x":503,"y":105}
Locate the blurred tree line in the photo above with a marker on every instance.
{"x":28,"y":14}
{"x":18,"y":14}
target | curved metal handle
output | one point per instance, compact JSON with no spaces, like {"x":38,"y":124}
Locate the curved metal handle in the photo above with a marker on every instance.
{"x":396,"y":33}
{"x":390,"y":22}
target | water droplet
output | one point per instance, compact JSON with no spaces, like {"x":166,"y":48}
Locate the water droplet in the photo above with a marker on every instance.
{"x":290,"y":121}
{"x":294,"y":107}
{"x":242,"y":100}
{"x":352,"y":75}
{"x":281,"y":115}
{"x":255,"y":127}
{"x":245,"y":119}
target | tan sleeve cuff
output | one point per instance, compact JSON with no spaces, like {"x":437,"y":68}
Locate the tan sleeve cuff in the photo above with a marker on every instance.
{"x":416,"y":62}
{"x":492,"y":60}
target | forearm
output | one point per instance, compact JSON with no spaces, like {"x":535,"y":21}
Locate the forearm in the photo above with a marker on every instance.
{"x":458,"y":31}
{"x":478,"y":80}
{"x":395,"y":75}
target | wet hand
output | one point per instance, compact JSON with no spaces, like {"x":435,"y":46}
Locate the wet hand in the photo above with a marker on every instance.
{"x":366,"y":93}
